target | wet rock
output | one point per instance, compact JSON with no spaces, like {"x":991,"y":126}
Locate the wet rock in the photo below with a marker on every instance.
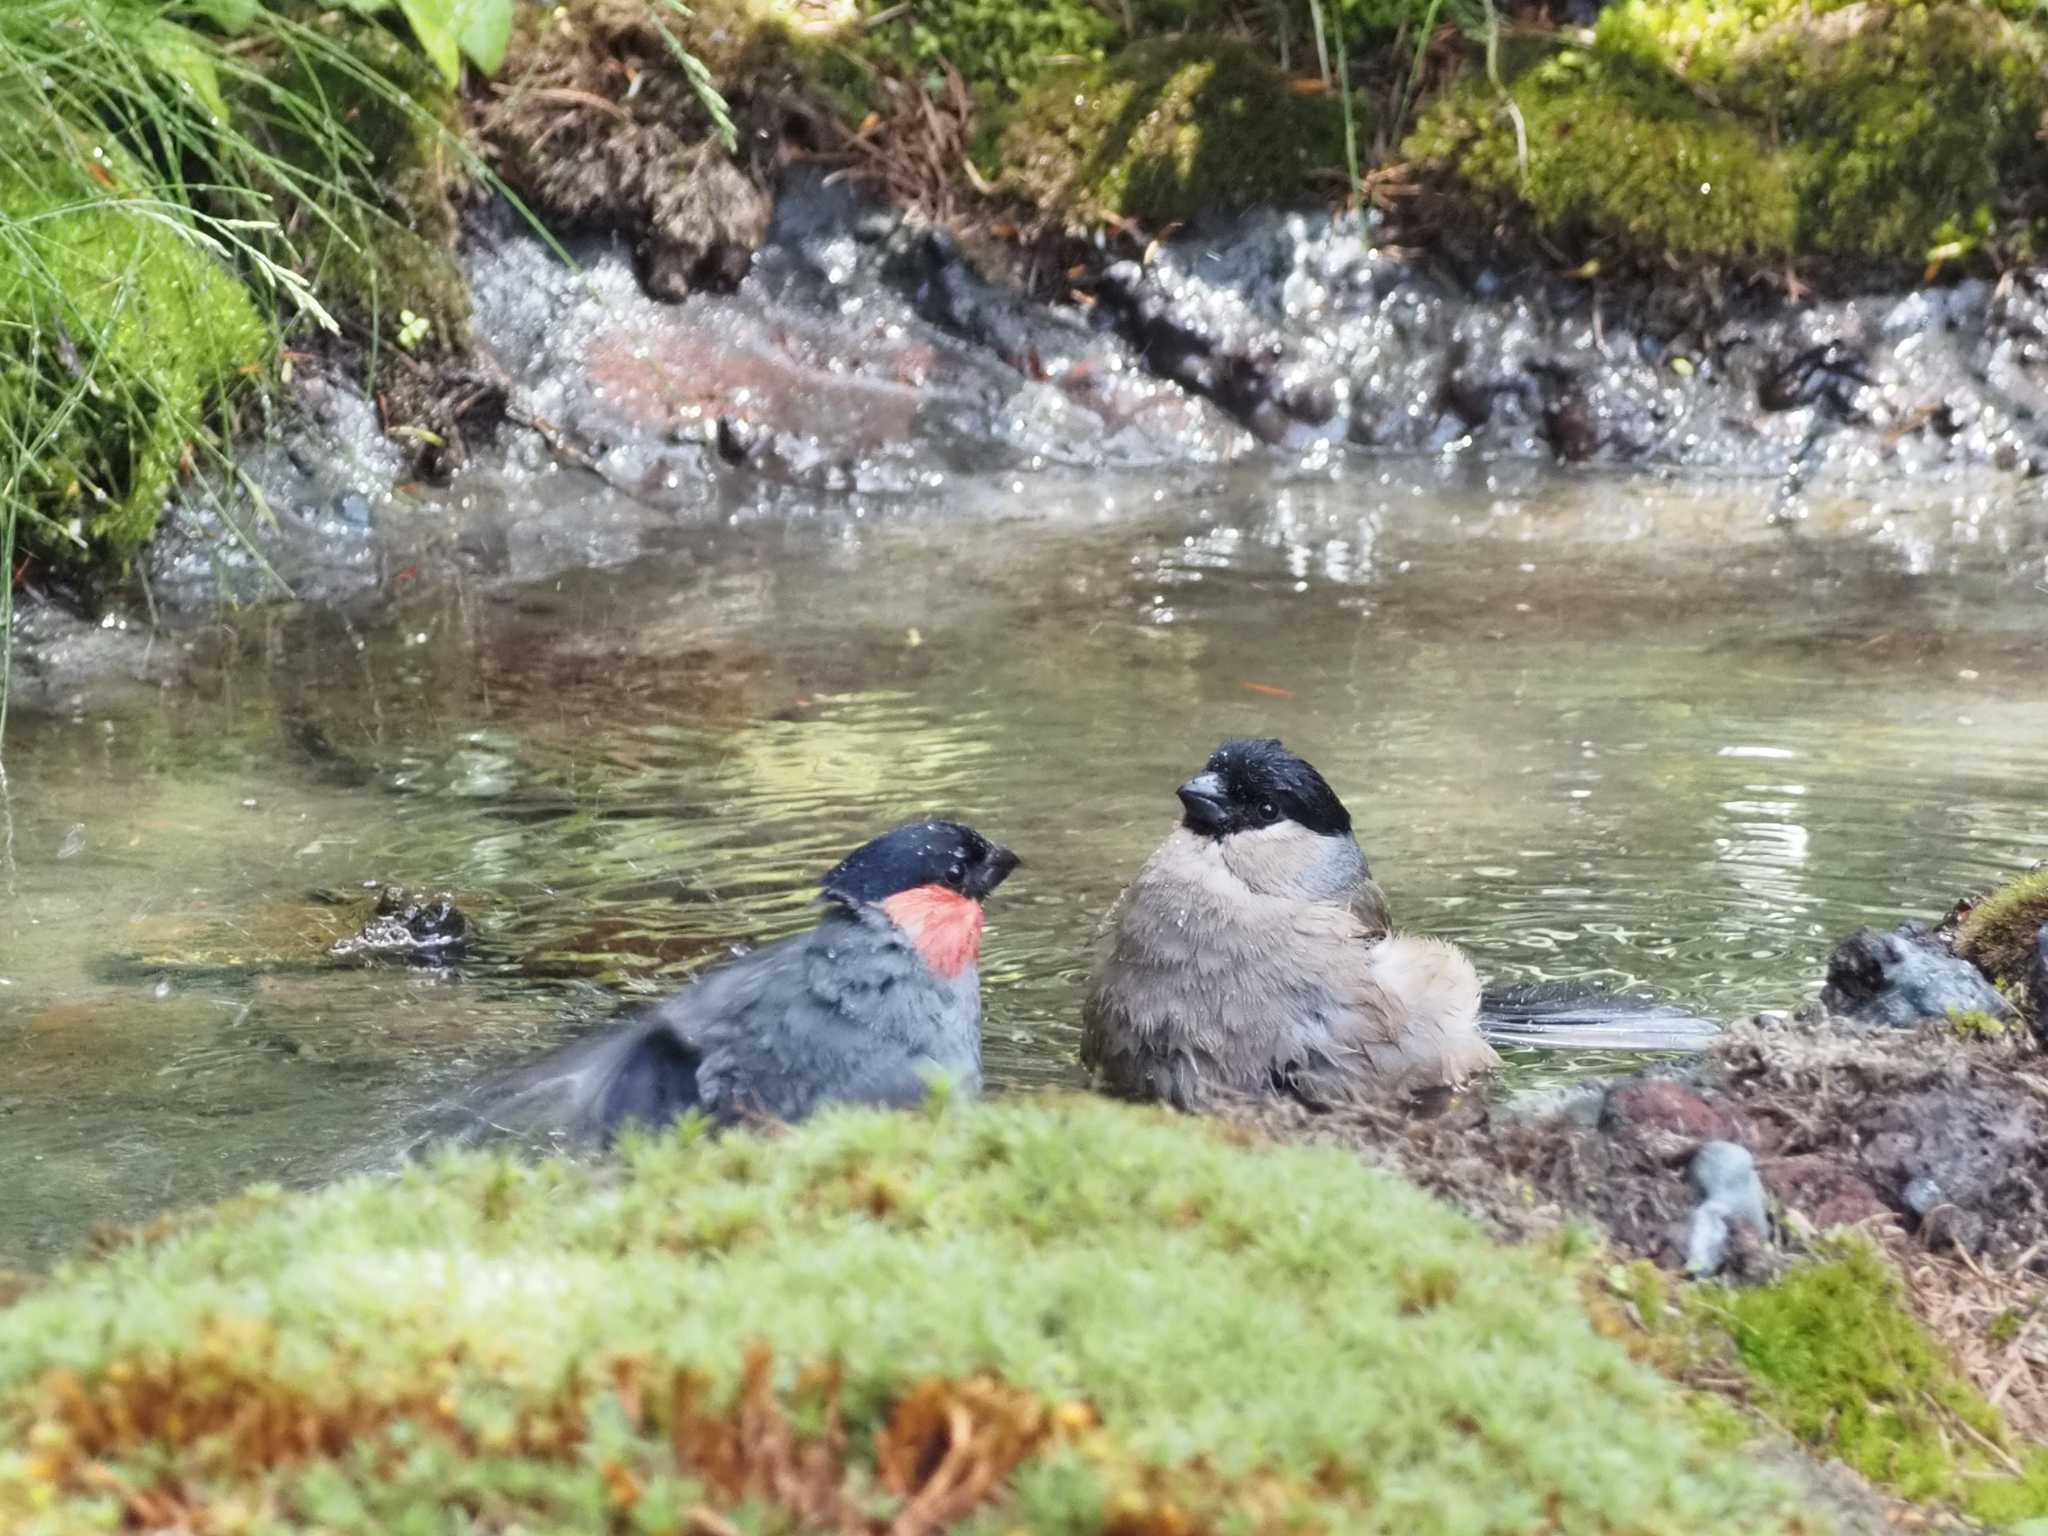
{"x":59,"y":653}
{"x":1829,"y":373}
{"x":1898,"y":978}
{"x":411,"y":926}
{"x":842,"y":364}
{"x":324,"y":470}
{"x":1724,"y":1177}
{"x":864,"y":354}
{"x":2037,"y":986}
{"x":1922,"y":1195}
{"x":1421,"y":356}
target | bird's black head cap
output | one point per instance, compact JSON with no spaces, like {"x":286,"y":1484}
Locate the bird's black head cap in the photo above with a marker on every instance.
{"x":947,"y":853}
{"x":1250,"y":783}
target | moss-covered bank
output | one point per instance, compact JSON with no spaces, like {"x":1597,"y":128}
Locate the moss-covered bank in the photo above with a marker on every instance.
{"x":179,"y":186}
{"x":1168,"y":130}
{"x":1864,"y":136}
{"x":1843,"y":141}
{"x":1834,"y":1354}
{"x":105,"y":372}
{"x":2000,"y":935}
{"x":1064,"y":1315}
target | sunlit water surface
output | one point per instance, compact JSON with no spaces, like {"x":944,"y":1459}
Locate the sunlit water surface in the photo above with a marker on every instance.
{"x":1604,"y":729}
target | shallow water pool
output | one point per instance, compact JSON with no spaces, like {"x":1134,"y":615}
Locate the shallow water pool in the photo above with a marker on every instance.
{"x":1619,"y":729}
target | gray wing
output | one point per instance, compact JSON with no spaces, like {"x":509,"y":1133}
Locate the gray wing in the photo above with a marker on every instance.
{"x":845,"y":1014}
{"x":581,"y":1094}
{"x":800,"y":1022}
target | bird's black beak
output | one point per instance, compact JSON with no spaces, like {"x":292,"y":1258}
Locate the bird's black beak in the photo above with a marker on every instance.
{"x":993,"y":871}
{"x":1207,"y":805}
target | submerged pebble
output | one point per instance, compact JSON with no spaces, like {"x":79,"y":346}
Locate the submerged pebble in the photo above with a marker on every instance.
{"x":410,"y":926}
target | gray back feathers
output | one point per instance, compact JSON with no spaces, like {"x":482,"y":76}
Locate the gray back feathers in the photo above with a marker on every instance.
{"x":846,"y":1013}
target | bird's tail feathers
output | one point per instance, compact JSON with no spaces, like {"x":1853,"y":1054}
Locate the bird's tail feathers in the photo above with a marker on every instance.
{"x":1435,"y":993}
{"x":1579,"y":1015}
{"x":584,"y":1094}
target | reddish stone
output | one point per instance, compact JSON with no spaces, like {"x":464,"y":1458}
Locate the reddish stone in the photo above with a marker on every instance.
{"x":1657,"y":1109}
{"x":1823,"y":1189}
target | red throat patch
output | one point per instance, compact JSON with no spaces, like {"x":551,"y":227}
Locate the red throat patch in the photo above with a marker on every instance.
{"x":943,"y":926}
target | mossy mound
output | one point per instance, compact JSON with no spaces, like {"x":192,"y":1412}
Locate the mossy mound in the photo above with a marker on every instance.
{"x":1833,"y":1353}
{"x":124,"y":339}
{"x":1166,"y":130}
{"x":1060,"y":1315}
{"x":1999,"y":934}
{"x":1622,"y":154}
{"x":1858,"y":135}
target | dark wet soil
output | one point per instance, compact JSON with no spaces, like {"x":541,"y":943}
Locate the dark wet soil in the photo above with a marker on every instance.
{"x":1946,"y":1136}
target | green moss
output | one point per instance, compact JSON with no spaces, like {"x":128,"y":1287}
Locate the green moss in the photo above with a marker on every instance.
{"x":1261,"y":1336}
{"x":1003,"y":49}
{"x":1851,"y":133}
{"x":1618,"y":153}
{"x":1998,"y":935}
{"x":123,"y":338}
{"x":1915,"y":125}
{"x":1832,"y":1353}
{"x":1974,"y":1024}
{"x":1164,"y":131}
{"x":997,"y":44}
{"x":1839,"y":1361}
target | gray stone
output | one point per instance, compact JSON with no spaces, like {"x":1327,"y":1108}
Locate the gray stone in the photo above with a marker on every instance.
{"x":1896,"y":979}
{"x":1731,"y":1193}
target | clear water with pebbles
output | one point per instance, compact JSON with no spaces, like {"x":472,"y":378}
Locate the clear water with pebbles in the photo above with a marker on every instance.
{"x":1626,"y":730}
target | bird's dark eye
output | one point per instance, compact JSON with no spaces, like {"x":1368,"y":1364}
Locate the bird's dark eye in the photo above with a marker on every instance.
{"x":1268,"y":811}
{"x":955,"y":873}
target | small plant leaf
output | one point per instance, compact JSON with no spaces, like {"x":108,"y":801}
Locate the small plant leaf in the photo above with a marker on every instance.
{"x":172,"y":49}
{"x":231,"y":16}
{"x":433,"y":27}
{"x":485,"y":32}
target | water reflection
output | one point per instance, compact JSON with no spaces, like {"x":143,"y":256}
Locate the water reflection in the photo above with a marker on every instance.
{"x":1687,"y":762}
